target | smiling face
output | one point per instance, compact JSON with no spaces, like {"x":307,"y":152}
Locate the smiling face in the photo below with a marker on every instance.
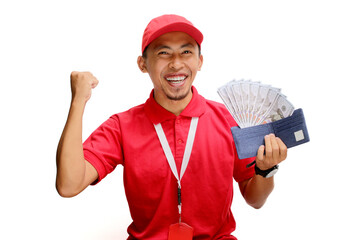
{"x":172,"y":61}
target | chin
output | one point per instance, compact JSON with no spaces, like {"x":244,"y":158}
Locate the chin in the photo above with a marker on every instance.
{"x":178,"y":96}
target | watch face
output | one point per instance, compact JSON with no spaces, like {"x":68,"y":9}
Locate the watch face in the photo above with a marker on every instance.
{"x":272,"y":173}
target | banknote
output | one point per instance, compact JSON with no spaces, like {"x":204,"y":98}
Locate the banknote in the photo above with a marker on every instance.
{"x":253,"y":103}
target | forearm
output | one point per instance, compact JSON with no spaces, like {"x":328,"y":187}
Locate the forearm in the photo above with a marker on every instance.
{"x":257,"y":190}
{"x":70,"y":157}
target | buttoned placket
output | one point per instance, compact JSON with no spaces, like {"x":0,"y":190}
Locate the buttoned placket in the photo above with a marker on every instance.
{"x":180,"y":138}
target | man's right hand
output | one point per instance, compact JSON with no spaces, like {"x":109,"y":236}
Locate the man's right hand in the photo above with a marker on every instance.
{"x":81,"y":85}
{"x":74,"y":173}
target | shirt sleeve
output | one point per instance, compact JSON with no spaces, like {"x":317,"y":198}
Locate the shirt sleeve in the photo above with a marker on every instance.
{"x":241,"y":172}
{"x":102,"y":148}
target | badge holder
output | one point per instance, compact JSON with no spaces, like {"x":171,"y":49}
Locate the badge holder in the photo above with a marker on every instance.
{"x":180,"y":231}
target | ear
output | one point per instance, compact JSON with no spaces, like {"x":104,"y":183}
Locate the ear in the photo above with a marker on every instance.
{"x":200,"y":62}
{"x":141,"y":64}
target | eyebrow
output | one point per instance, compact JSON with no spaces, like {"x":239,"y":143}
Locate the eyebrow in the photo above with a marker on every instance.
{"x":161,"y":47}
{"x":187,"y":45}
{"x":167,"y":47}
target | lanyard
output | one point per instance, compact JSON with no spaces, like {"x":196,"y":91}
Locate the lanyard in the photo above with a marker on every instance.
{"x":170,"y":157}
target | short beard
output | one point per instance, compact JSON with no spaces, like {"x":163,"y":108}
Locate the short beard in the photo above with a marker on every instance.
{"x":178,"y":98}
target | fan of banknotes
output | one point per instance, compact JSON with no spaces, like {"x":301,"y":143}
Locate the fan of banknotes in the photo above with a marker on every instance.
{"x":252,"y":103}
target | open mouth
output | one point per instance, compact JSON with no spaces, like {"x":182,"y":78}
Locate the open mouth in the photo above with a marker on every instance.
{"x":176,"y":80}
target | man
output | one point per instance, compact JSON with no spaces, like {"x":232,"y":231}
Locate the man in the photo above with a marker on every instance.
{"x":175,"y":130}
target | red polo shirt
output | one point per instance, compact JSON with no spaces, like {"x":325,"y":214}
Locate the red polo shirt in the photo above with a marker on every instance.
{"x":129,"y":138}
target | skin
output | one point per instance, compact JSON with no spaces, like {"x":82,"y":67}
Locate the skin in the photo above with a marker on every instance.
{"x":74,"y":173}
{"x":174,"y":55}
{"x":257,"y":189}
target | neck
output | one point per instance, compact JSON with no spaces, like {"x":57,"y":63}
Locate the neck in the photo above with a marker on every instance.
{"x":174,"y":106}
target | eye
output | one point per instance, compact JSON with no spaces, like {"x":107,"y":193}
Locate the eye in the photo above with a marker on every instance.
{"x":187,"y":52}
{"x":162,"y":53}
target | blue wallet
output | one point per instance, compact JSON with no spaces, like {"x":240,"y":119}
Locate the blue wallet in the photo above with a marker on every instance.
{"x":291,"y":130}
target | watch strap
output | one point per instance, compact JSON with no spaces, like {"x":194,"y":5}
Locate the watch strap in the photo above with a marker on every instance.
{"x":266,"y":173}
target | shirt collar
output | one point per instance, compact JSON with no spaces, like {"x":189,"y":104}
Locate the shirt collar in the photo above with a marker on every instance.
{"x":157,"y":114}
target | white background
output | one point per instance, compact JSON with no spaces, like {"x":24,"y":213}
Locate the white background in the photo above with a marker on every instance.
{"x":309,"y":48}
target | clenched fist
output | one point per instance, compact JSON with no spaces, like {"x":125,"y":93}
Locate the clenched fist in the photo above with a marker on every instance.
{"x":81,"y":85}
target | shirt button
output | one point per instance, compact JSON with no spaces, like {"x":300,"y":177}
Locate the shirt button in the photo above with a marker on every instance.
{"x":180,"y":141}
{"x":177,"y":121}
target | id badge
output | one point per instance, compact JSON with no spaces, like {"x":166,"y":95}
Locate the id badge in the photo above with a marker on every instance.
{"x":180,"y":231}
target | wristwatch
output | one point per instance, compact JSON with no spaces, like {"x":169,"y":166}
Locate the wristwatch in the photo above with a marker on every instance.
{"x":266,"y":173}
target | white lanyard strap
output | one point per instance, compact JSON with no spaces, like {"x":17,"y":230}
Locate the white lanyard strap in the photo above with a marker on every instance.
{"x":188,"y":148}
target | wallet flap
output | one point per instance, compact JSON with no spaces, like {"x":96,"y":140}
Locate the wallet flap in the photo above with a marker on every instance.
{"x":248,"y":140}
{"x":292,"y":130}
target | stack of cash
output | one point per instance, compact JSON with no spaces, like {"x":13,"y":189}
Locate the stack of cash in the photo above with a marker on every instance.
{"x":252,"y":103}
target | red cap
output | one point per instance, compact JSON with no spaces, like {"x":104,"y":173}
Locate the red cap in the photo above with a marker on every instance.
{"x":169,"y":23}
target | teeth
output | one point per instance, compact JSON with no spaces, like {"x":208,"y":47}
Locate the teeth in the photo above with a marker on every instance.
{"x":176,"y":78}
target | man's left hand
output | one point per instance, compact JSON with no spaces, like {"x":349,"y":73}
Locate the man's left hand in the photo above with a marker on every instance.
{"x":273,"y":153}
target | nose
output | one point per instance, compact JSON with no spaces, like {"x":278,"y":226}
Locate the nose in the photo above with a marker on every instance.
{"x":176,"y":62}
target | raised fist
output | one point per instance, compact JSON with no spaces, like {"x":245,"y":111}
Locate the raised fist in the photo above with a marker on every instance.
{"x":81,"y":85}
